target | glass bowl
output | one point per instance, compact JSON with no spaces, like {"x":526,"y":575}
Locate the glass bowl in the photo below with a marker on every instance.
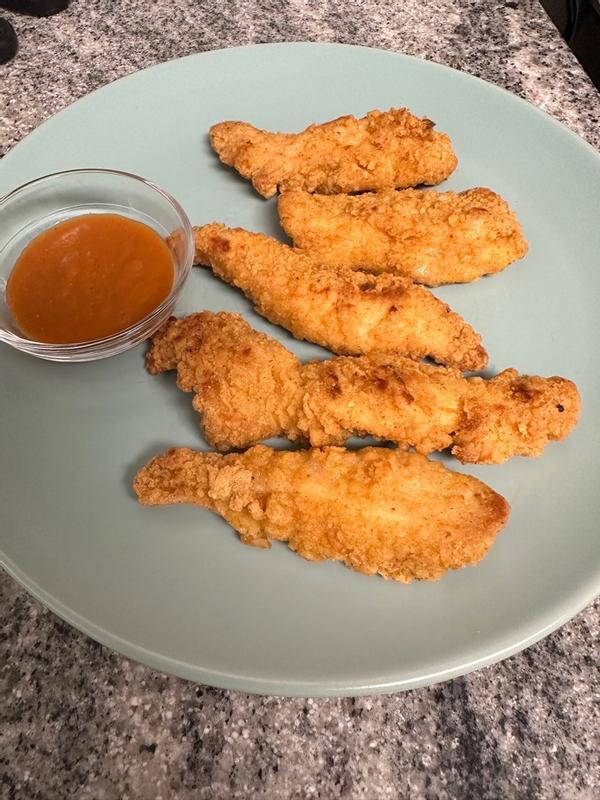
{"x":44,"y":202}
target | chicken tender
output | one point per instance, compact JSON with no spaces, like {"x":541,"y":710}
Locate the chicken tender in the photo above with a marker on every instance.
{"x":428,"y":236}
{"x":338,"y":308}
{"x":249,"y":388}
{"x":376,"y":510}
{"x":390,"y":149}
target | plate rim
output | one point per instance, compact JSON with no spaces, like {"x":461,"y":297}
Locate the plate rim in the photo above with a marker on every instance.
{"x":278,"y":688}
{"x":308,"y":44}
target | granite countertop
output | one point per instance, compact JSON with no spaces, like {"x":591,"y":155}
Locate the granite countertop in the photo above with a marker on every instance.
{"x":80,"y":721}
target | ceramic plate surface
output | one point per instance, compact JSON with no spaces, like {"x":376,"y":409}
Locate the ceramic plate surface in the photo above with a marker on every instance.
{"x":174,"y":587}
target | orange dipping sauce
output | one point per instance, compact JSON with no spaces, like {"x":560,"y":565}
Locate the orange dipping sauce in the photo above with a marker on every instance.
{"x":87,"y":278}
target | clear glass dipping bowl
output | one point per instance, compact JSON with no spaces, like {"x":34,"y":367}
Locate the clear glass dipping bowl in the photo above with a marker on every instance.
{"x":42,"y":203}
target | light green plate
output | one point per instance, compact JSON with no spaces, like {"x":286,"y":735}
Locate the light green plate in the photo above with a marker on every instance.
{"x":173,"y":587}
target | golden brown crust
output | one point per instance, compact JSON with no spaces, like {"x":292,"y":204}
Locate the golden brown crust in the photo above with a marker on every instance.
{"x":514,"y":415}
{"x":431,"y":237}
{"x":246,"y":383}
{"x":390,"y":149}
{"x":338,"y":308}
{"x":376,"y":510}
{"x":249,"y":387}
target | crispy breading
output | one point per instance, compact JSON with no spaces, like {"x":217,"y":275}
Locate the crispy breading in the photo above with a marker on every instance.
{"x":376,"y":510}
{"x":249,"y":388}
{"x":246,"y":384}
{"x":338,"y":308}
{"x":431,"y":237}
{"x":390,"y":149}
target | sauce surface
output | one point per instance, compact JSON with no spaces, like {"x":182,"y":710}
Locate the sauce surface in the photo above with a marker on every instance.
{"x":87,"y":278}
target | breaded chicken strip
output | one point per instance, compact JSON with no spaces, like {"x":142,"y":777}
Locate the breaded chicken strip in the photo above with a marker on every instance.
{"x":249,"y":387}
{"x":428,"y":236}
{"x":343,"y":310}
{"x":390,"y":149}
{"x":376,"y":510}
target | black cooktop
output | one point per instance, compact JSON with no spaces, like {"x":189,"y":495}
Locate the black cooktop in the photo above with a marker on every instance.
{"x":579,"y":23}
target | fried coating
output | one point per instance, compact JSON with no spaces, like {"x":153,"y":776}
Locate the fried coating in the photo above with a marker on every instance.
{"x":338,"y":308}
{"x":248,"y":387}
{"x":390,"y":149}
{"x":376,"y":510}
{"x":428,"y":236}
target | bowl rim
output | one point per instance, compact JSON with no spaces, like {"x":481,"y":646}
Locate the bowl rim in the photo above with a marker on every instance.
{"x":33,"y":346}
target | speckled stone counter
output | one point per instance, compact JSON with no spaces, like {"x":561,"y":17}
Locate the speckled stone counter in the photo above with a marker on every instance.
{"x":79,"y":721}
